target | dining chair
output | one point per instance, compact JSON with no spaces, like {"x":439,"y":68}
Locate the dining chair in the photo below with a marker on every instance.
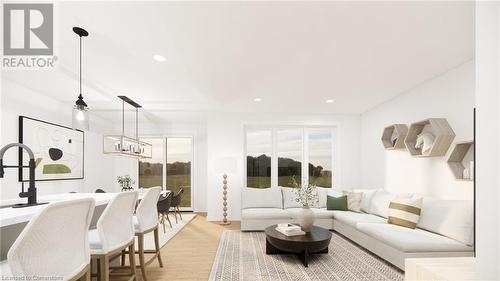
{"x":163,"y":207}
{"x":55,"y":242}
{"x":146,"y":221}
{"x":176,"y":202}
{"x":114,"y":233}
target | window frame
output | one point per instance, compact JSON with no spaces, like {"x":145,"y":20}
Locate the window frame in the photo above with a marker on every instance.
{"x":334,"y":130}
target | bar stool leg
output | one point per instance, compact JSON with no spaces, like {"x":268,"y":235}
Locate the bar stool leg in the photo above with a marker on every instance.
{"x":141,"y":255}
{"x":179,"y":211}
{"x":157,"y":247}
{"x":131,"y":257}
{"x":123,"y":258}
{"x":104,"y":268}
{"x":88,"y":275}
{"x":168,"y":218}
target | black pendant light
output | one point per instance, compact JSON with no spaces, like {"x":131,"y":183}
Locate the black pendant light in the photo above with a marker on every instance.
{"x":80,"y":110}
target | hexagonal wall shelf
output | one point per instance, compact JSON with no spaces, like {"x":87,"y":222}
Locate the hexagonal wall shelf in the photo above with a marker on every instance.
{"x":393,"y":136}
{"x":439,"y":128}
{"x":460,"y":159}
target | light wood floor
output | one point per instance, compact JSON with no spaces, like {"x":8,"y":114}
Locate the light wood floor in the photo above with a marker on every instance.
{"x":190,"y":254}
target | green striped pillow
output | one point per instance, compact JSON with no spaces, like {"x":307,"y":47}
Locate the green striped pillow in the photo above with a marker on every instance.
{"x":405,"y":212}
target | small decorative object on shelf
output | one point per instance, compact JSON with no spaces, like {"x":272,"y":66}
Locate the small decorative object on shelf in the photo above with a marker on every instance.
{"x":307,"y":196}
{"x":125,"y":182}
{"x":429,"y":138}
{"x":461,"y":161}
{"x":393,"y":136}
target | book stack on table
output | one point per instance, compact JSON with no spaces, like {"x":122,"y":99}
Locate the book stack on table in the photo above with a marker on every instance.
{"x":289,"y":229}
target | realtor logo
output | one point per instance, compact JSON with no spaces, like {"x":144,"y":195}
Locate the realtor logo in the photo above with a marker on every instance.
{"x":28,"y":29}
{"x":28,"y":36}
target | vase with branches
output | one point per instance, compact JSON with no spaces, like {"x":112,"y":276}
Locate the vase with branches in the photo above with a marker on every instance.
{"x":125,"y":182}
{"x":307,"y":196}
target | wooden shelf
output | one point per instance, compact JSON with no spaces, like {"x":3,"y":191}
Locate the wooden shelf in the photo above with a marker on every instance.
{"x":397,"y":132}
{"x":462,"y":152}
{"x":439,"y":128}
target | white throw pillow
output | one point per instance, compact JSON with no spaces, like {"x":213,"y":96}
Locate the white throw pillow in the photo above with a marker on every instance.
{"x":322,"y":193}
{"x":450,"y":218}
{"x":366,"y":198}
{"x":353,"y":201}
{"x":289,"y":196}
{"x":261,"y":198}
{"x":380,"y":202}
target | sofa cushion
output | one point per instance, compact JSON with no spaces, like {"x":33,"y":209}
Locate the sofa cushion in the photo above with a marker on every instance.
{"x":289,"y":196}
{"x":261,"y":198}
{"x":380,"y":202}
{"x":318,"y":213}
{"x":451,"y":218}
{"x":366,"y":198}
{"x":411,"y":240}
{"x":353,"y":200}
{"x":322,"y":193}
{"x":352,"y":218}
{"x":265,"y":213}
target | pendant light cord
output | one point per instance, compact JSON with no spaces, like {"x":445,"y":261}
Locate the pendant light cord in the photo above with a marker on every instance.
{"x":81,"y":66}
{"x":123,"y":118}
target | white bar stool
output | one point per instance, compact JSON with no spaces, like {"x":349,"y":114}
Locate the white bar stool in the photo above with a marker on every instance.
{"x":146,"y":221}
{"x":114,"y":233}
{"x":55,"y":243}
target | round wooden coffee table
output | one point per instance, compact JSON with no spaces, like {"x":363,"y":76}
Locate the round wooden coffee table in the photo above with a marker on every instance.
{"x":314,"y":242}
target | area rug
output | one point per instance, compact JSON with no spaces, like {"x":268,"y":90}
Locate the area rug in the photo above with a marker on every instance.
{"x":242,"y":256}
{"x":149,"y":242}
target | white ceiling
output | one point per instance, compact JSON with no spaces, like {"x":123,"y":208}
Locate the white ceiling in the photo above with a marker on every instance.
{"x":221,"y":55}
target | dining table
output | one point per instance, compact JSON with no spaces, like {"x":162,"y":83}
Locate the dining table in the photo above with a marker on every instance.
{"x":13,"y":220}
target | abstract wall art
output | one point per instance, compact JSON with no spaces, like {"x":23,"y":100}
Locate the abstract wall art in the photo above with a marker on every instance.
{"x":59,"y":150}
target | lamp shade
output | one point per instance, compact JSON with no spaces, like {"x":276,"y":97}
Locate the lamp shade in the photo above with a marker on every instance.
{"x":226,"y":165}
{"x":80,"y":118}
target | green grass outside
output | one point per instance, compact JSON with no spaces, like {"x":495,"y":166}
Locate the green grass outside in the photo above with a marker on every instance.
{"x":174,"y":182}
{"x":265,"y":182}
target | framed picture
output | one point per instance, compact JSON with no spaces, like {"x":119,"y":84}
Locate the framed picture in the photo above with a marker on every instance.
{"x":58,"y":150}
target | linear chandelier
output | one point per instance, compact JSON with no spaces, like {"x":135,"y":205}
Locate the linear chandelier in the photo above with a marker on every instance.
{"x":123,"y":145}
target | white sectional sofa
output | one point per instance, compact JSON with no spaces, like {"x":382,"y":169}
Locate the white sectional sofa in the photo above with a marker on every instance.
{"x":445,"y":228}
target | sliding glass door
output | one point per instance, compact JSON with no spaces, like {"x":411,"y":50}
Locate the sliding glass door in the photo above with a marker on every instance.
{"x":179,"y":159}
{"x":151,"y":171}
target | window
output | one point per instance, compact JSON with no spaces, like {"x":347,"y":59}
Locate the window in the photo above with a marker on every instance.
{"x":151,"y":170}
{"x":289,"y":145}
{"x":320,"y":157}
{"x":179,"y":159}
{"x":275,"y":155}
{"x":258,"y":154}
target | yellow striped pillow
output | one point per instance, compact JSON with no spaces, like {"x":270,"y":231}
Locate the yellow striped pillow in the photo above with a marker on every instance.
{"x":405,"y":212}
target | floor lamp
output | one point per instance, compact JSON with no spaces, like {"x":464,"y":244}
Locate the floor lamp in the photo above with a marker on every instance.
{"x":227,"y":166}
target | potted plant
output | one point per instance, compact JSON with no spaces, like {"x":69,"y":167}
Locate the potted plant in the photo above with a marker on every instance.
{"x":125,"y":182}
{"x":307,"y":196}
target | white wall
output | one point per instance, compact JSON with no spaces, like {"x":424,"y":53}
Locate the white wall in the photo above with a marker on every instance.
{"x":450,"y":96}
{"x":225,"y":133}
{"x":488,"y":140}
{"x":18,"y":100}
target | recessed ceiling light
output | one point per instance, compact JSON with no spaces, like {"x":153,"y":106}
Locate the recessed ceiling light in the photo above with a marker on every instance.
{"x":159,"y":58}
{"x":257,"y":99}
{"x":330,"y":101}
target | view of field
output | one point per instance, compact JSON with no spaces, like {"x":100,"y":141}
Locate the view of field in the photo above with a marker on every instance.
{"x":178,"y":176}
{"x":259,"y":172}
{"x":265,"y":182}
